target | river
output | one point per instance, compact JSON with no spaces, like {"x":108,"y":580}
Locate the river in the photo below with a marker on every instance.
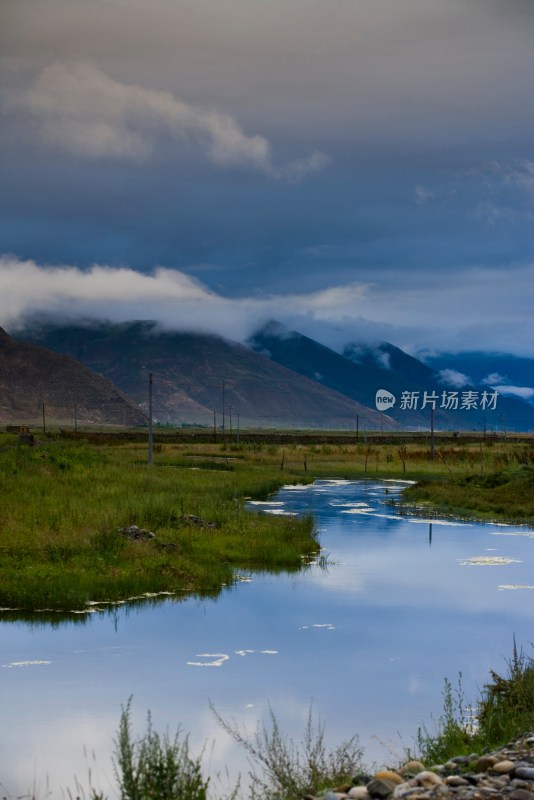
{"x":365,"y":637}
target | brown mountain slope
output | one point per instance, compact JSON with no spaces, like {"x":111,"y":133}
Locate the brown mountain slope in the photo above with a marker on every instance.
{"x":190,"y":370}
{"x":31,"y":375}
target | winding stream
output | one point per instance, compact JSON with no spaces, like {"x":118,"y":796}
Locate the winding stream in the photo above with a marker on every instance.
{"x":366,"y":637}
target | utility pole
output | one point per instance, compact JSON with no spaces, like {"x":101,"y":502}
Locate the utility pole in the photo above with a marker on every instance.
{"x":230,"y":413}
{"x":432,"y":434}
{"x":150,"y":455}
{"x":223,"y":402}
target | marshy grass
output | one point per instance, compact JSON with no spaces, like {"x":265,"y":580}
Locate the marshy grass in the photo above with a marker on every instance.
{"x":506,"y":494}
{"x":63,"y":501}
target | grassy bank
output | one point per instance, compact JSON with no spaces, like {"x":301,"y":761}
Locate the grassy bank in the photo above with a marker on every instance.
{"x":505,"y":495}
{"x":64,"y":500}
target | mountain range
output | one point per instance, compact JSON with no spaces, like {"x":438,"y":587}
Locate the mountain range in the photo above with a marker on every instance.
{"x":36,"y":383}
{"x":365,"y":368}
{"x":281,"y":378}
{"x":197,"y":376}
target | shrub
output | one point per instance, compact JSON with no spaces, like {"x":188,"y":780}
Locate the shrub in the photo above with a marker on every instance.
{"x":289,"y":770}
{"x":155,"y":767}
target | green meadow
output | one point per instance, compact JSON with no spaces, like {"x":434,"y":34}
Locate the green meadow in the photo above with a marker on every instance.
{"x":63,"y":501}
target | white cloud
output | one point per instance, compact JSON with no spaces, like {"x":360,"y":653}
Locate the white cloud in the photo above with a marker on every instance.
{"x":524,"y":392}
{"x":422,"y":195}
{"x":451,"y":377}
{"x":382,"y":358}
{"x":495,"y":378}
{"x":82,"y":109}
{"x":168,"y":296}
{"x":487,"y":312}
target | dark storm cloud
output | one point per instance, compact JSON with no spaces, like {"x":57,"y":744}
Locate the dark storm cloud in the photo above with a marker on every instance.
{"x":282,"y":149}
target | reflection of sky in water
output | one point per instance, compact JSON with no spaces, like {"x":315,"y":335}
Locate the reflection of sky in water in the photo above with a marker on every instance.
{"x":368,"y":639}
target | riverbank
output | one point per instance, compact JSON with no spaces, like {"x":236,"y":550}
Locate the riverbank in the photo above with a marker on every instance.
{"x":506,"y":772}
{"x":65,"y":502}
{"x":505,"y":495}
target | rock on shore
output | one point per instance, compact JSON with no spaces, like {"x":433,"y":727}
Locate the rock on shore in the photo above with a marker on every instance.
{"x":506,"y":773}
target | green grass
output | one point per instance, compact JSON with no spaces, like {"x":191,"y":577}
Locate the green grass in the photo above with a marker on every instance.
{"x":63,"y":500}
{"x":507,"y":494}
{"x":62,"y":503}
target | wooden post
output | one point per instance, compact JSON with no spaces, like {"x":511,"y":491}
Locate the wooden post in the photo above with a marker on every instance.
{"x":150,"y":455}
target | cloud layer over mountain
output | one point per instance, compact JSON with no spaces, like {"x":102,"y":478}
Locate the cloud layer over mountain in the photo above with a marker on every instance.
{"x":364,"y":163}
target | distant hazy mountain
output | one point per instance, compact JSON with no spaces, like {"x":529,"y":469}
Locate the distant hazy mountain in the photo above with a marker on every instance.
{"x":391,"y":358}
{"x":31,"y":376}
{"x":365,"y":368}
{"x":193,"y":373}
{"x":511,"y":374}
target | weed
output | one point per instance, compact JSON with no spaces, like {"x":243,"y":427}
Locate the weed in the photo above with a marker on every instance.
{"x":289,"y":770}
{"x":504,"y":711}
{"x":156,"y":767}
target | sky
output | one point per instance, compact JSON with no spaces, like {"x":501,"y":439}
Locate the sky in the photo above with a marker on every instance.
{"x":356,"y":169}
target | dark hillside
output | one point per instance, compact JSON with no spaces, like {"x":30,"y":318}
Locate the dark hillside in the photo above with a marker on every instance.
{"x":31,"y":375}
{"x":190,"y":369}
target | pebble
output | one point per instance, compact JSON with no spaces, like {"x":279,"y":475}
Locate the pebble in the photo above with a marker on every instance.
{"x":507,"y":773}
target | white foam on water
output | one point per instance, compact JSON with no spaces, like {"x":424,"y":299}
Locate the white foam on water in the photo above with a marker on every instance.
{"x":326,"y":625}
{"x":445,"y":522}
{"x":260,"y":652}
{"x":489,"y":561}
{"x":514,"y":586}
{"x":266,"y":503}
{"x":350,"y":505}
{"x":279,"y":512}
{"x":218,"y":660}
{"x":398,"y":480}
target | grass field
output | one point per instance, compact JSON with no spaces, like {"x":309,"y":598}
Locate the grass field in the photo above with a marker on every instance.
{"x":63,"y":501}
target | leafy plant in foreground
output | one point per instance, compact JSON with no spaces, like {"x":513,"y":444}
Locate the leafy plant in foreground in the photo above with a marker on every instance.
{"x":507,"y":705}
{"x":504,"y":711}
{"x":454,"y":732}
{"x":154,"y":767}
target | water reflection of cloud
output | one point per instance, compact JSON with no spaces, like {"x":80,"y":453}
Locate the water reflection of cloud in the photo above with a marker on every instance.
{"x":398,"y":576}
{"x":40,"y":758}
